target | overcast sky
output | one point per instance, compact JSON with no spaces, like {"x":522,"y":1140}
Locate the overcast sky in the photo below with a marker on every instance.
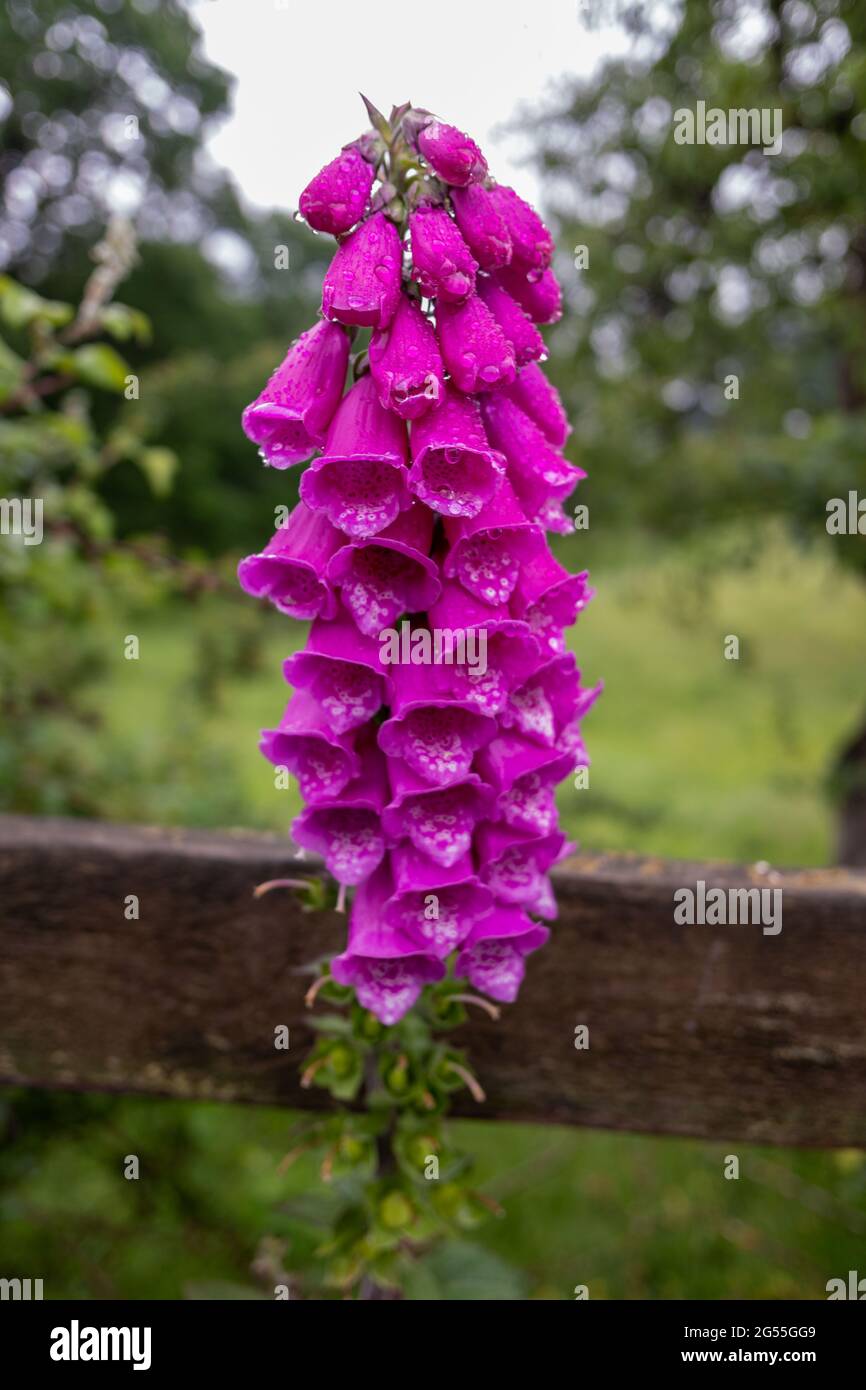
{"x":300,"y":64}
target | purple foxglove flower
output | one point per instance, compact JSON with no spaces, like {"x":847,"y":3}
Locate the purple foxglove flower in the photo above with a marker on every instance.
{"x":406,"y":364}
{"x":538,"y":473}
{"x":382,"y":965}
{"x":347,"y":832}
{"x":526,"y":777}
{"x":348,"y":838}
{"x":341,"y":669}
{"x":549,"y":598}
{"x":540,"y":400}
{"x":430,"y":791}
{"x":483,"y":228}
{"x":360,"y":480}
{"x":290,"y":571}
{"x":541,"y":299}
{"x":474,"y":348}
{"x":323,"y":762}
{"x":493,"y":955}
{"x":507,"y":656}
{"x":336,"y":198}
{"x":489,"y":654}
{"x":434,"y":906}
{"x":290,"y":418}
{"x":515,"y":866}
{"x":451,"y":154}
{"x":549,"y":701}
{"x":550,"y":513}
{"x":439,"y":822}
{"x":442,"y":263}
{"x":389,"y":575}
{"x":546,"y":904}
{"x":362,"y":283}
{"x":545,"y":508}
{"x":531,"y":242}
{"x":525,"y":339}
{"x":486,"y":551}
{"x":436,"y":735}
{"x":454,"y":470}
{"x":570,"y":741}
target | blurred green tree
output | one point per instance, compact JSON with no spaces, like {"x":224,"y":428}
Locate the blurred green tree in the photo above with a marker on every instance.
{"x":104,"y":110}
{"x":713,"y":360}
{"x":104,"y":102}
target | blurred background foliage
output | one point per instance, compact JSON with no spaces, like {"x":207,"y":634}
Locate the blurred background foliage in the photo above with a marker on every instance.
{"x":707,"y":517}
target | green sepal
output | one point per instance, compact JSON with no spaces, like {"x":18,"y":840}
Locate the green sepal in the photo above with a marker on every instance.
{"x":365,"y":1025}
{"x":377,"y":120}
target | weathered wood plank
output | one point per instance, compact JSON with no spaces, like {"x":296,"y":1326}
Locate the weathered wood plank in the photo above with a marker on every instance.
{"x":721,"y":1032}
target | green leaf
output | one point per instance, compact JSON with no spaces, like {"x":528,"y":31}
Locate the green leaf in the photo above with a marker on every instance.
{"x":49,"y":437}
{"x":92,"y":515}
{"x":11,"y":371}
{"x":318,"y":1210}
{"x":335,"y":1025}
{"x":20,"y":306}
{"x":97,"y":364}
{"x":345,"y":1087}
{"x":349,"y":1227}
{"x":123,"y":323}
{"x":460,"y":1271}
{"x":159,"y":467}
{"x":222,"y":1291}
{"x":55,"y":313}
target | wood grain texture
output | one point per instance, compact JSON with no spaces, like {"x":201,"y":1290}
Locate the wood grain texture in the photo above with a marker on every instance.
{"x":720,"y":1032}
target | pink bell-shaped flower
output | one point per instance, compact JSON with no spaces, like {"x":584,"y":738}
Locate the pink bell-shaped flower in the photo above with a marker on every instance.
{"x":359,"y":482}
{"x":290,"y":418}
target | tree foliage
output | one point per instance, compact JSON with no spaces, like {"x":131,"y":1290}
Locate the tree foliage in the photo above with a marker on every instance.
{"x":104,"y":109}
{"x":713,"y":357}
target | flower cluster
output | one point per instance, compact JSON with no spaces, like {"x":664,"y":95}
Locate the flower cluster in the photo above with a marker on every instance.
{"x":429,"y":790}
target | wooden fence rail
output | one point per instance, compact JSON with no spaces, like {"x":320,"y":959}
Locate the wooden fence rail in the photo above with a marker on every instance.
{"x":723,"y":1032}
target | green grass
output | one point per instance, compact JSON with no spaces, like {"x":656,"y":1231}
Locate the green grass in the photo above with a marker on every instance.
{"x":627,"y":1216}
{"x":693,"y":755}
{"x":696,"y":755}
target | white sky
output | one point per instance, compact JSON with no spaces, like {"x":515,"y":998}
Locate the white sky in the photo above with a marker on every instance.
{"x":300,"y":64}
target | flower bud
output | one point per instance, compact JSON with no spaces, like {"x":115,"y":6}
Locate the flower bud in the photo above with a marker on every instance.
{"x":541,"y":298}
{"x":474,"y":348}
{"x":336,"y":198}
{"x":531,"y":242}
{"x":482,"y":225}
{"x":525,"y":339}
{"x":362,"y":283}
{"x":451,"y":154}
{"x":441,"y":261}
{"x":539,"y":399}
{"x":406,"y":363}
